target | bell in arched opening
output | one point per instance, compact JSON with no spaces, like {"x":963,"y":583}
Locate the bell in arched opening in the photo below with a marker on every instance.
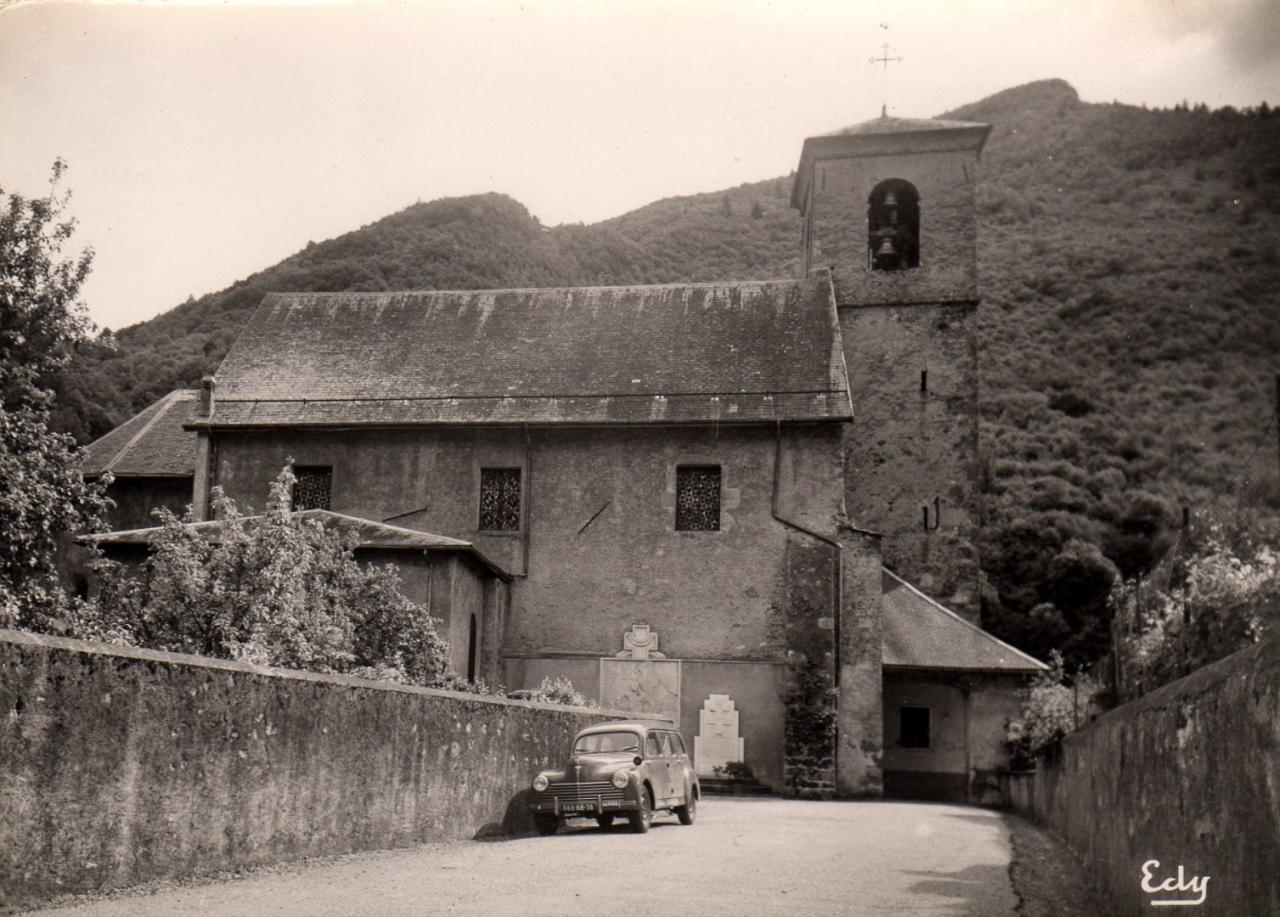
{"x":893,"y":224}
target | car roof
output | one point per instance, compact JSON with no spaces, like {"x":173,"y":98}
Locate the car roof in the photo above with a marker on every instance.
{"x":640,"y":726}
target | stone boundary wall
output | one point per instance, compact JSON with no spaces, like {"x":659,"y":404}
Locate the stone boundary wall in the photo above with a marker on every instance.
{"x":1188,"y":775}
{"x":121,"y":765}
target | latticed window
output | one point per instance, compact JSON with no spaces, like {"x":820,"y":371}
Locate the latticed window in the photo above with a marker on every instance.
{"x":312,"y":487}
{"x":500,"y":499}
{"x":698,"y":498}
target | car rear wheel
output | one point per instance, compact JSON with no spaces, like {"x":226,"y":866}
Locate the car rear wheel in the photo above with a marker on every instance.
{"x":546,"y":824}
{"x":604,"y":821}
{"x":643,"y":815}
{"x":689,"y":811}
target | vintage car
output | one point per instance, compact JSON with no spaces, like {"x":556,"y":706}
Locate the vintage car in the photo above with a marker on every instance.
{"x":634,"y":769}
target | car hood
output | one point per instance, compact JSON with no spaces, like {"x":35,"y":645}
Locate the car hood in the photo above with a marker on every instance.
{"x":587,"y":768}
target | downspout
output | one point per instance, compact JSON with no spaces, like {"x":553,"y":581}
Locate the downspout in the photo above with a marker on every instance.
{"x":837,"y":576}
{"x":528,"y":502}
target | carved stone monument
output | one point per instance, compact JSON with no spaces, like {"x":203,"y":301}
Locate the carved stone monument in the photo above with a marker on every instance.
{"x":639,"y":678}
{"x":717,"y":742}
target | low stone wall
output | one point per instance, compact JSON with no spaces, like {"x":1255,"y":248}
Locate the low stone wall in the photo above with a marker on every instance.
{"x":119,"y":766}
{"x":1188,"y":775}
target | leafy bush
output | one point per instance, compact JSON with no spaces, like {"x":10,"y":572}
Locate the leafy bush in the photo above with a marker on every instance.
{"x":555,"y":691}
{"x":1193,"y":610}
{"x":1055,"y":706}
{"x":280,"y":590}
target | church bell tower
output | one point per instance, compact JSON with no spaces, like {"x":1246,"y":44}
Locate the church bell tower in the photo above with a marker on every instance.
{"x":887,"y":207}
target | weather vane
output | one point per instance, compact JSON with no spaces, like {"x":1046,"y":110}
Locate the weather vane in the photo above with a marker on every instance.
{"x":885,"y":60}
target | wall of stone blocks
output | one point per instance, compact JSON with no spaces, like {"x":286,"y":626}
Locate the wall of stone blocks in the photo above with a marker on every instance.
{"x":120,"y":766}
{"x":908,"y":448}
{"x":599,"y":550}
{"x":860,"y":726}
{"x":1188,"y":775}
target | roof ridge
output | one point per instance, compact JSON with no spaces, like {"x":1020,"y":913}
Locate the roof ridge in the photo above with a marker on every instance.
{"x":165,"y":403}
{"x":674,"y":285}
{"x":945,"y":610}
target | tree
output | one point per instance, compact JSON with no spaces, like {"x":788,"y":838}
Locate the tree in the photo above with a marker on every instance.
{"x":280,"y":589}
{"x":42,"y":494}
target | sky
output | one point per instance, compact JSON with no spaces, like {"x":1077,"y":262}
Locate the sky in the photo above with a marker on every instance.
{"x":209,"y":140}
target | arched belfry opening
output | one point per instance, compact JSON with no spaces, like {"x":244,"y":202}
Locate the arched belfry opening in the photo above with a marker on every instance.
{"x":893,"y":224}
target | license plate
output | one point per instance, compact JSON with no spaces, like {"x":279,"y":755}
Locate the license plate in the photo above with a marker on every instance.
{"x":577,"y":806}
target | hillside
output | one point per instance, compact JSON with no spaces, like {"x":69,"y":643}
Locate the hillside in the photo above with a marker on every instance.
{"x":1129,"y":334}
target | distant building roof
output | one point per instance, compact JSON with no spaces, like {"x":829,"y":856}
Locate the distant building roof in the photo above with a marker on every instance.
{"x":368,"y":534}
{"x":716,"y":352}
{"x":152,"y":443}
{"x":920,"y":633}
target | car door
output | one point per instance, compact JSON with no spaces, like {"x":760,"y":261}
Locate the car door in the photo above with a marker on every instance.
{"x":659,"y":769}
{"x":681,"y":772}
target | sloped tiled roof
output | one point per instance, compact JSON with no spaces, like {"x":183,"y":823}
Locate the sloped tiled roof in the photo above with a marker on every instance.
{"x":368,"y":534}
{"x":725,"y":352}
{"x":920,"y":633}
{"x":151,"y":443}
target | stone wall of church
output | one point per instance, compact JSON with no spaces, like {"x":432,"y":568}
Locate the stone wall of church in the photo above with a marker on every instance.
{"x":598,"y":547}
{"x":913,"y":450}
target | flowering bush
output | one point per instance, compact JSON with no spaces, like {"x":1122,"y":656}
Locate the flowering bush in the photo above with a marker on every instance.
{"x":1055,"y":706}
{"x":282,"y":591}
{"x":556,"y":691}
{"x":1226,"y":597}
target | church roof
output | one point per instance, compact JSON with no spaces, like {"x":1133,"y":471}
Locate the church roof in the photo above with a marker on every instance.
{"x":680,"y":353}
{"x":368,"y":534}
{"x":895,"y":125}
{"x":152,"y":443}
{"x":920,"y":633}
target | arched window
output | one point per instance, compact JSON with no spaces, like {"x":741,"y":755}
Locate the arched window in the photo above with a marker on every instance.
{"x":893,"y":224}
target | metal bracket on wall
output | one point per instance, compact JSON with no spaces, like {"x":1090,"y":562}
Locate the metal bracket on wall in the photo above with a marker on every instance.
{"x":937,"y":515}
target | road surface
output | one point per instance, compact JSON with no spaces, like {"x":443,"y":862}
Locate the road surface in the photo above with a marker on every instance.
{"x":742,"y":857}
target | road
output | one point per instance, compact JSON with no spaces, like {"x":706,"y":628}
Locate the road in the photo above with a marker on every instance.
{"x":742,"y":857}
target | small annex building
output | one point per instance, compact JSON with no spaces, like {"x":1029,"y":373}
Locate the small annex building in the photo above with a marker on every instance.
{"x":691,"y":495}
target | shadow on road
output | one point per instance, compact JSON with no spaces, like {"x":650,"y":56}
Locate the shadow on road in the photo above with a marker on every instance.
{"x":973,"y":885}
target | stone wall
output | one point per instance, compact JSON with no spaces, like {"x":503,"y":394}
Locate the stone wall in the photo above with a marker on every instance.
{"x":598,"y":549}
{"x":120,"y":766}
{"x":1188,"y":775}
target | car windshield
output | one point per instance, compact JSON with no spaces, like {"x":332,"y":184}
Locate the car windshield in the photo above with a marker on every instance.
{"x":603,"y":743}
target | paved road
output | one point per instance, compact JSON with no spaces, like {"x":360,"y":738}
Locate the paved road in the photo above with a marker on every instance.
{"x":743,"y":857}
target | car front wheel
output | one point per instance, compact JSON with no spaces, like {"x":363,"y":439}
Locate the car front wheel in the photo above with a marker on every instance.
{"x":546,"y":824}
{"x":643,"y":815}
{"x":689,"y":811}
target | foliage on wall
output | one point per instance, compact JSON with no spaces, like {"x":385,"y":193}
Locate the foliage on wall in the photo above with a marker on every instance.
{"x":283,"y":590}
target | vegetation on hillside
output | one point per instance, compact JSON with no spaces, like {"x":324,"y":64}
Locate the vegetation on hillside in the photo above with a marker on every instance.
{"x":1129,"y":261}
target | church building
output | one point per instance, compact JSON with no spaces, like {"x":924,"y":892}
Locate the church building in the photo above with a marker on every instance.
{"x":749,"y":506}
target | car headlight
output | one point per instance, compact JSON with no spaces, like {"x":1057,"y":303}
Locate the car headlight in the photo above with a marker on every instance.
{"x":540,"y":783}
{"x":620,"y":779}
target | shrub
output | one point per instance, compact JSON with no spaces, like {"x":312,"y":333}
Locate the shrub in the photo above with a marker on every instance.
{"x":280,"y":590}
{"x":555,"y":691}
{"x":1055,"y":706}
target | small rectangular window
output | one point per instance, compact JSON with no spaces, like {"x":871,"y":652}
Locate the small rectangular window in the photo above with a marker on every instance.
{"x":500,"y":499}
{"x":698,"y":498}
{"x":913,"y":727}
{"x":652,"y":746}
{"x":312,"y":487}
{"x":677,"y":744}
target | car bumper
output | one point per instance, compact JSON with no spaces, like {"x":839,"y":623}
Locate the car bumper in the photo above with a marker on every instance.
{"x":543,"y":804}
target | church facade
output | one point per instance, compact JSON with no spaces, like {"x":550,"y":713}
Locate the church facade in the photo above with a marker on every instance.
{"x":750,"y":507}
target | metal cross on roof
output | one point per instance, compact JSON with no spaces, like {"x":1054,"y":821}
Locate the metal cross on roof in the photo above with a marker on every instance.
{"x":885,"y":60}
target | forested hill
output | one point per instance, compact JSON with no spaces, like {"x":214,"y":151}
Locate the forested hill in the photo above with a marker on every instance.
{"x":1130,"y":267}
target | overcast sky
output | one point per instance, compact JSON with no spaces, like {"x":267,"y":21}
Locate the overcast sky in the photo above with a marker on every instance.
{"x":209,"y":140}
